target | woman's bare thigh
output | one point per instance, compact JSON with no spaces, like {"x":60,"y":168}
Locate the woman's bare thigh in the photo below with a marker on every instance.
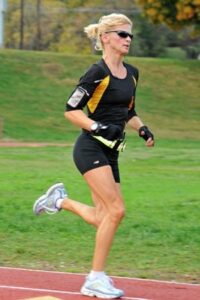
{"x":105,"y":191}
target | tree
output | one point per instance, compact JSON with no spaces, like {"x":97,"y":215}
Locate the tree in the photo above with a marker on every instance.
{"x":38,"y":21}
{"x":150,"y":40}
{"x":58,"y":26}
{"x":32,"y":24}
{"x":21,"y":43}
{"x":175,"y":13}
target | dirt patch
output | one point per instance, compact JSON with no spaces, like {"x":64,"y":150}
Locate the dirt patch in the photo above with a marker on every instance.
{"x":32,"y":144}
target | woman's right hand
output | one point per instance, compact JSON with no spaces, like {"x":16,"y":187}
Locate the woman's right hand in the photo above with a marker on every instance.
{"x":109,"y":132}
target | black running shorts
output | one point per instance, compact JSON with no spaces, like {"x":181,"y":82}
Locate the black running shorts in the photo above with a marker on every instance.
{"x":89,"y":154}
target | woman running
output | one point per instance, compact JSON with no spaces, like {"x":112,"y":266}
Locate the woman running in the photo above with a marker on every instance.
{"x":108,"y":91}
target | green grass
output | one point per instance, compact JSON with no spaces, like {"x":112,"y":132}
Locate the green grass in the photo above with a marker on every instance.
{"x":34,"y":87}
{"x":175,"y":52}
{"x":159,"y":238}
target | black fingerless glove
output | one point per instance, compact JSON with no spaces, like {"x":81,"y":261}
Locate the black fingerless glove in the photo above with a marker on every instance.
{"x":110,"y":132}
{"x":145,"y":133}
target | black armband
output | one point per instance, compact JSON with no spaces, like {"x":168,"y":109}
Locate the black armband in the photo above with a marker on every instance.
{"x":145,"y":133}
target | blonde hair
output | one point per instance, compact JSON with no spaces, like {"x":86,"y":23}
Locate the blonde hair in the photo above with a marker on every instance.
{"x":106,"y":23}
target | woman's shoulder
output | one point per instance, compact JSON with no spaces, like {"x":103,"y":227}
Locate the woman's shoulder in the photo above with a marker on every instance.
{"x":132,"y":69}
{"x":94,"y":74}
{"x":96,"y":69}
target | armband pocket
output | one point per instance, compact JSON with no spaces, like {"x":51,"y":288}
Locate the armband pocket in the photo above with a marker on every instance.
{"x":76,"y":97}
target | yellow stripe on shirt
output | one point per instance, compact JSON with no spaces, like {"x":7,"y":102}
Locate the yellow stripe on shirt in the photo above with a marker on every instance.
{"x":135,"y":81}
{"x":98,"y":93}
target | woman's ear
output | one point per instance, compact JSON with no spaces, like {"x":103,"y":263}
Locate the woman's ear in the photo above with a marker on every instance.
{"x":105,"y":38}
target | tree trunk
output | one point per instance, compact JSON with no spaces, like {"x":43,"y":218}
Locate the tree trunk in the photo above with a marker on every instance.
{"x":21,"y":43}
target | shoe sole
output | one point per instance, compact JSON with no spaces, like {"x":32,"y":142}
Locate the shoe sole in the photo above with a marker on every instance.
{"x":36,"y":204}
{"x":87,"y":292}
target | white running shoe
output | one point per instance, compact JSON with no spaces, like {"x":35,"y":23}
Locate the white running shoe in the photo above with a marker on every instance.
{"x":101,"y":288}
{"x":47,"y":202}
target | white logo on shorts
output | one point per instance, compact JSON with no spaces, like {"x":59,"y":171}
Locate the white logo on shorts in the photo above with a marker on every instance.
{"x":96,"y":162}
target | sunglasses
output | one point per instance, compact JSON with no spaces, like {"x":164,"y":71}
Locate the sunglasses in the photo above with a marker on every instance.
{"x":122,"y":34}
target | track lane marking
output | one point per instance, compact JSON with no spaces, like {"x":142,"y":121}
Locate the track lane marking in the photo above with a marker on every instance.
{"x":117,"y":277}
{"x":56,"y":291}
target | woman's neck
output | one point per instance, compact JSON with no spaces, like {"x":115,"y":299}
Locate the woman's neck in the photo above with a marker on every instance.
{"x":116,"y":66}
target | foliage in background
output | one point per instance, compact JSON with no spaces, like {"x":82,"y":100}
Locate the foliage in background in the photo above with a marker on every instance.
{"x":58,"y":26}
{"x":182,"y":16}
{"x":176,"y":13}
{"x":50,"y":20}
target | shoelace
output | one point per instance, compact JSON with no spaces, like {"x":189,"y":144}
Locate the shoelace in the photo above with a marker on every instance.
{"x":108,"y":281}
{"x":50,"y":210}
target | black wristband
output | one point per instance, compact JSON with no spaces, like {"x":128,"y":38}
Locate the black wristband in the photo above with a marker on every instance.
{"x":147,"y":133}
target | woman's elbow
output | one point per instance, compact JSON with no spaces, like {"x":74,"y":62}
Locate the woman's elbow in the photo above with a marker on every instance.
{"x":70,"y":116}
{"x":66,"y":115}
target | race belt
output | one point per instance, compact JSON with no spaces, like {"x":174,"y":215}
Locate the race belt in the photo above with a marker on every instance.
{"x":118,"y":145}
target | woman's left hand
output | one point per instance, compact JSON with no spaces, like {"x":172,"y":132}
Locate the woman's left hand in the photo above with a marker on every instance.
{"x":150,"y":142}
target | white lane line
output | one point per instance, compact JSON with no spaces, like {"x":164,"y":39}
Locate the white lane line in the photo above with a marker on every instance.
{"x":120,"y":277}
{"x":21,"y":288}
{"x":10,"y":287}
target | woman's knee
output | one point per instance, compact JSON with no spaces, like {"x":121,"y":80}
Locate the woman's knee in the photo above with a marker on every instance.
{"x":117,"y":212}
{"x":120,"y":213}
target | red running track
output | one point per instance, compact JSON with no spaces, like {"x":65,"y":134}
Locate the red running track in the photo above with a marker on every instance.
{"x":21,"y":284}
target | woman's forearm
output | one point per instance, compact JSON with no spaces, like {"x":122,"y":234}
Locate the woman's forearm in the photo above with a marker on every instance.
{"x":135,"y":123}
{"x":79,"y":118}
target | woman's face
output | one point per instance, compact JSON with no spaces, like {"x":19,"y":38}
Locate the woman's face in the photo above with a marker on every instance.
{"x":118,"y":39}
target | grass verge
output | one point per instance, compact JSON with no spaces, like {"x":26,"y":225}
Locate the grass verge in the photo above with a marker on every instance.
{"x":159,"y":238}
